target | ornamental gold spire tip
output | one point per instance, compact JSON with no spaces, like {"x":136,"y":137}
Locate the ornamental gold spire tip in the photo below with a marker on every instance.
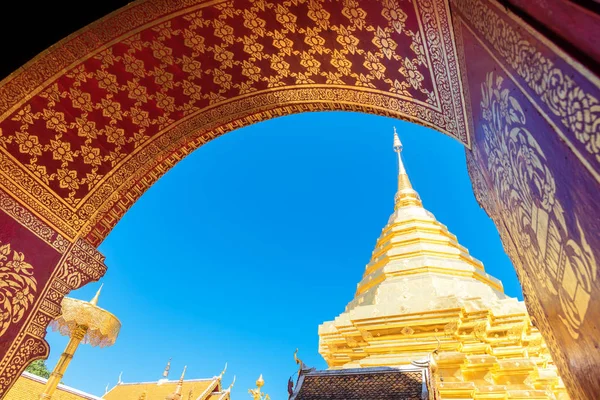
{"x":406,"y":195}
{"x":167,"y":369}
{"x":179,"y":387}
{"x":94,"y":301}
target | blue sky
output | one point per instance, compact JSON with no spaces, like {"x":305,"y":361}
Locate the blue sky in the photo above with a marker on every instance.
{"x":239,"y":252}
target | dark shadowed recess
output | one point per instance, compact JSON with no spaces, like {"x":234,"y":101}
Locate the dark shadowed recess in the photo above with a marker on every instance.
{"x":27,"y":29}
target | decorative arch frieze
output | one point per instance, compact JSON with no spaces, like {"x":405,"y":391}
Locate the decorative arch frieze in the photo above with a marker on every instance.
{"x":87,"y":126}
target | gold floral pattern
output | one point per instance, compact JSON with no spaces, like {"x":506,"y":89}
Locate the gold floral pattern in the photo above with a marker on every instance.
{"x":577,"y":109}
{"x":563,"y":262}
{"x":143,"y":85}
{"x":18,"y":286}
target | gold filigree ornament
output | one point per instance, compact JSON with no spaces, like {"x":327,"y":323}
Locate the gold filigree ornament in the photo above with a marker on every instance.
{"x":17,"y":286}
{"x":565,"y":265}
{"x":102,"y":326}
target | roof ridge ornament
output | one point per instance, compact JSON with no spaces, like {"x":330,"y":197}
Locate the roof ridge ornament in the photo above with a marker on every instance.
{"x":231,"y":386}
{"x":301,"y":365}
{"x":223,"y":372}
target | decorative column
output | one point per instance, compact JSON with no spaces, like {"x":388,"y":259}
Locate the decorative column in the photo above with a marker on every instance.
{"x":63,"y":362}
{"x":83,"y":322}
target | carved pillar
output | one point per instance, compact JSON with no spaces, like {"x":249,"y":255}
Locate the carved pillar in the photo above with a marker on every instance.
{"x":535,"y":166}
{"x":42,"y":267}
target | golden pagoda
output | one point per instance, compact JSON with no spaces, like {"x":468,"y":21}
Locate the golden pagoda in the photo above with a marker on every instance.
{"x":423,"y":297}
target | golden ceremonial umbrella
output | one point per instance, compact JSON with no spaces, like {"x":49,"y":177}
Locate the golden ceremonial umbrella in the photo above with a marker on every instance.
{"x":84,"y":322}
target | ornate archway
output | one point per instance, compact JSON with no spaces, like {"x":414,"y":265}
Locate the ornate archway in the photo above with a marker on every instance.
{"x":90,"y":124}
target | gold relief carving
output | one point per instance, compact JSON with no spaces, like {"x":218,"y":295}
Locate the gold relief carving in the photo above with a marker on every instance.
{"x":242,"y":112}
{"x":407,"y":331}
{"x":28,"y":350}
{"x":480,"y":329}
{"x":18,"y":286}
{"x":450,"y":328}
{"x":31,"y":222}
{"x":577,"y":109}
{"x":82,"y":264}
{"x":562,"y":261}
{"x":431,"y":58}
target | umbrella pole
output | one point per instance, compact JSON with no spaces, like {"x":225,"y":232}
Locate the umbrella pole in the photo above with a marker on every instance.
{"x":63,"y":362}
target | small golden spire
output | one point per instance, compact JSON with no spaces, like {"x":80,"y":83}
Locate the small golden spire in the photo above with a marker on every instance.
{"x":182,"y":376}
{"x":94,"y":301}
{"x":178,"y":390}
{"x":167,"y":369}
{"x":260,"y":381}
{"x":406,"y":195}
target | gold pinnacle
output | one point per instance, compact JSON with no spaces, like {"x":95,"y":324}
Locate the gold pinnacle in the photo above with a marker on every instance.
{"x":94,"y":301}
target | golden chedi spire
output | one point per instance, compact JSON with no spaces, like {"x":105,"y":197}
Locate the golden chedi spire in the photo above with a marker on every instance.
{"x":422,"y":293}
{"x":415,"y":247}
{"x":406,"y":195}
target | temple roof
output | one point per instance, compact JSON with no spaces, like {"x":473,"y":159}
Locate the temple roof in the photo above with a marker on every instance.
{"x":200,"y":389}
{"x":382,"y":383}
{"x":224,"y":395}
{"x":29,"y":387}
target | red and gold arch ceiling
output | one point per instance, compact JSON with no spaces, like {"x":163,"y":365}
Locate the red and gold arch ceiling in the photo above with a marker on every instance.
{"x":89,"y":125}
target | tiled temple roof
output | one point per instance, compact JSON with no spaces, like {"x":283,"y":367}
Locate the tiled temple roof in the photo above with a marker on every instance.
{"x":29,"y":387}
{"x":200,"y":388}
{"x":381,"y":383}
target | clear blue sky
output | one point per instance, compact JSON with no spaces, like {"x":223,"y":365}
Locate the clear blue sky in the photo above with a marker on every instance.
{"x":239,"y":252}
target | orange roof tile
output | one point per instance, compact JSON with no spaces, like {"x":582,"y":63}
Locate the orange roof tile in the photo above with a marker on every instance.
{"x":200,"y":389}
{"x":29,"y":387}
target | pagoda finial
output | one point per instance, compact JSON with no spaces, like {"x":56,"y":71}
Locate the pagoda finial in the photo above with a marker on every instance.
{"x":94,"y":301}
{"x":167,"y":369}
{"x":406,"y":195}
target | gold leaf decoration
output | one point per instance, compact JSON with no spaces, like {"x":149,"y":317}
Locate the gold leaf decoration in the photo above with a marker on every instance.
{"x":17,"y":286}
